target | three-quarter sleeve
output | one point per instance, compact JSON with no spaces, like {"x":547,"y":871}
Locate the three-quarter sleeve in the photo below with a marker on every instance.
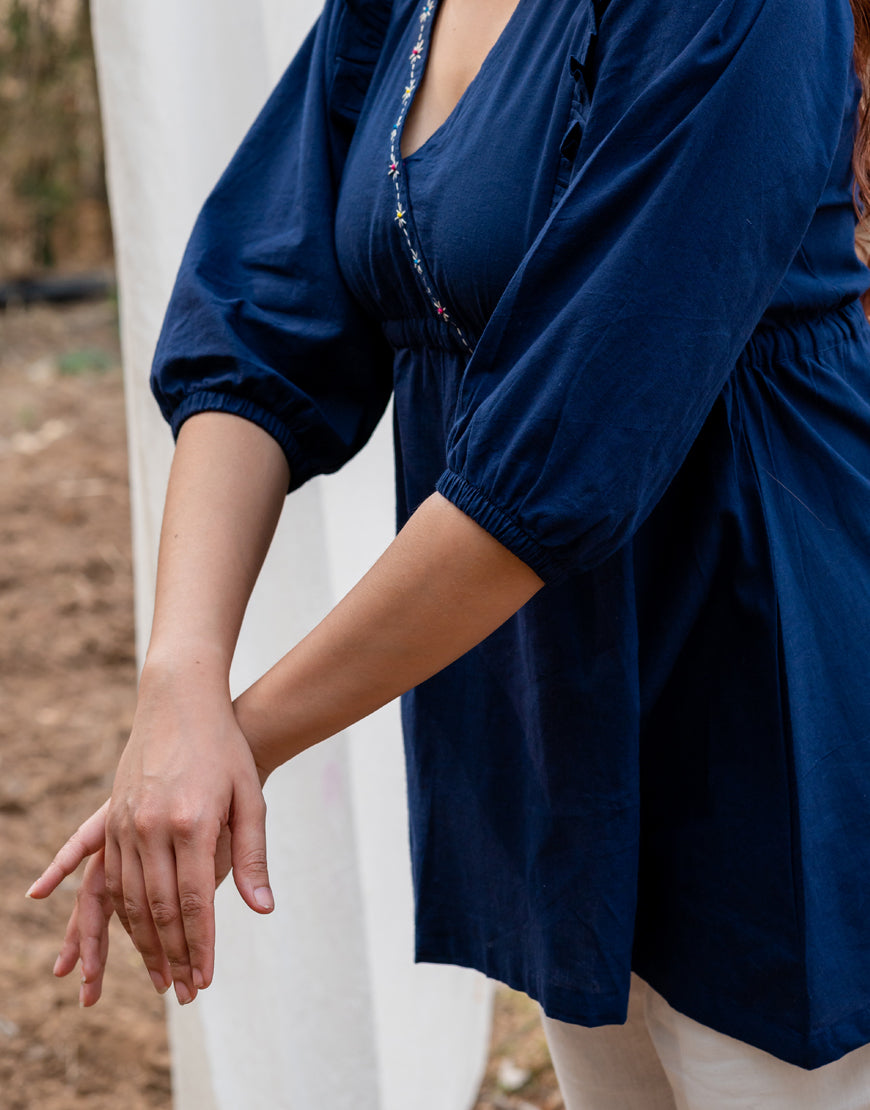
{"x":260,"y":322}
{"x":709,"y":129}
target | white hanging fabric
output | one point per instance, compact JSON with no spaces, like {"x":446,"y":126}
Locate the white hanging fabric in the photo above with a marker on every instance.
{"x":319,"y":1005}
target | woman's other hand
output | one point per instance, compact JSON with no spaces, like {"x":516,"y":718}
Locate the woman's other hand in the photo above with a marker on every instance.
{"x":87,"y":931}
{"x":88,"y":838}
{"x":87,"y":935}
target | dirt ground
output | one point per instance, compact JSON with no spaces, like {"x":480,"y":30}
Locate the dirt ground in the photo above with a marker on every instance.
{"x":67,"y":674}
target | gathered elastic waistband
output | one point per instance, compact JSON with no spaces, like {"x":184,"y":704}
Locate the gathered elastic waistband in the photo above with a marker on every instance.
{"x":424,"y":331}
{"x":772,"y":342}
{"x":785,"y":340}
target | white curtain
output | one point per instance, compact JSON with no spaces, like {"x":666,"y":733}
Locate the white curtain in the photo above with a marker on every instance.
{"x":319,"y":1006}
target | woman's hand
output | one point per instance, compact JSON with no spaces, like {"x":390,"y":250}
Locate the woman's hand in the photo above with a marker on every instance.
{"x":186,"y":808}
{"x":187,"y":790}
{"x":186,"y":787}
{"x":87,"y":931}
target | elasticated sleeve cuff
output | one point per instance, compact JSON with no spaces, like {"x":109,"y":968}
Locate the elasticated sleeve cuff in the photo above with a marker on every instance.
{"x":546,"y":563}
{"x":207,"y":401}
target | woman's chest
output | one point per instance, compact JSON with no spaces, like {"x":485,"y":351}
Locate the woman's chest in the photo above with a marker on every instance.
{"x":448,"y":225}
{"x":463,"y":34}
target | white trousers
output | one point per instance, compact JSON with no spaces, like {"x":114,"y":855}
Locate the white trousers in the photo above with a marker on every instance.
{"x":662,"y":1060}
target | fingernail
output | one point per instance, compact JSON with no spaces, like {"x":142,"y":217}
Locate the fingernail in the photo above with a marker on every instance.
{"x":198,"y":979}
{"x":160,"y":984}
{"x":54,"y":970}
{"x":263,"y":898}
{"x":182,"y":993}
{"x":31,"y":889}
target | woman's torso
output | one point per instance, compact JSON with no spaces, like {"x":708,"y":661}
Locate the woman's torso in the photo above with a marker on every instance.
{"x":478,"y":191}
{"x":638,"y":766}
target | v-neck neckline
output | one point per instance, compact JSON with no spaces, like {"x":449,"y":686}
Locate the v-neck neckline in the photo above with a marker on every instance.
{"x":489,"y":60}
{"x":398,"y":166}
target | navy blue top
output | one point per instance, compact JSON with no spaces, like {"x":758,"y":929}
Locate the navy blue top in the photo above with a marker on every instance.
{"x":614,"y":297}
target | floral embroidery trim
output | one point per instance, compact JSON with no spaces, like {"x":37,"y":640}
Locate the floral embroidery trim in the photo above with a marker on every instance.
{"x":395,"y":171}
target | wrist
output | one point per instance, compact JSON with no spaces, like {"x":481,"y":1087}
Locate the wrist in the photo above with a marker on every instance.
{"x":245,"y":711}
{"x":268,"y":733}
{"x":196,"y":667}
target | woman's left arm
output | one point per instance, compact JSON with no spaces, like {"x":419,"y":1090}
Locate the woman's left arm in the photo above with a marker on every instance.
{"x":441,"y":587}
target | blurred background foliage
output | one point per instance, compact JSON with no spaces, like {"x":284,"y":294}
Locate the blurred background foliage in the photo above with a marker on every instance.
{"x":53,"y":209}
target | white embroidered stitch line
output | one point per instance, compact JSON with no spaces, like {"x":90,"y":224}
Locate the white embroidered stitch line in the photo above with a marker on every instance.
{"x":395,"y":171}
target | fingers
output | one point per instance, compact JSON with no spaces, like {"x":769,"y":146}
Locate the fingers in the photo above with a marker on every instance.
{"x":195,"y":869}
{"x":69,"y":950}
{"x":87,"y":933}
{"x":87,"y":839}
{"x":139,"y":922}
{"x":87,"y":937}
{"x":160,"y":875}
{"x":223,"y":856}
{"x":162,"y":881}
{"x":113,"y":880}
{"x":94,"y":913}
{"x":248,"y":823}
{"x":145,"y":938}
{"x":158,"y":898}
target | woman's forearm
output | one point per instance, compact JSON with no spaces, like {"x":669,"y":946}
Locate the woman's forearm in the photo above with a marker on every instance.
{"x":226,"y":489}
{"x":187,"y":781}
{"x":440,"y":588}
{"x":186,"y":800}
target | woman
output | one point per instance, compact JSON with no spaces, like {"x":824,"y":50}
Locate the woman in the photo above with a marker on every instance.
{"x":612,"y":285}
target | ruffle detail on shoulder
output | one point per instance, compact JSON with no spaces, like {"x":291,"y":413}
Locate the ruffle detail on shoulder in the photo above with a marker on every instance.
{"x":358,"y":38}
{"x":580,"y":64}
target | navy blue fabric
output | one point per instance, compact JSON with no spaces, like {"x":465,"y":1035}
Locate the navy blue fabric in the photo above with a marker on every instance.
{"x":260,"y":323}
{"x":614,"y":296}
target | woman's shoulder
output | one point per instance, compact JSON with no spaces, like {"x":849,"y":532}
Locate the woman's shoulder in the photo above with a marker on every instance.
{"x":355,"y":31}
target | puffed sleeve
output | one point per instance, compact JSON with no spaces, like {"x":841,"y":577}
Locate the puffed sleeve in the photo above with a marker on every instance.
{"x":711,"y":129}
{"x":260,"y":322}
